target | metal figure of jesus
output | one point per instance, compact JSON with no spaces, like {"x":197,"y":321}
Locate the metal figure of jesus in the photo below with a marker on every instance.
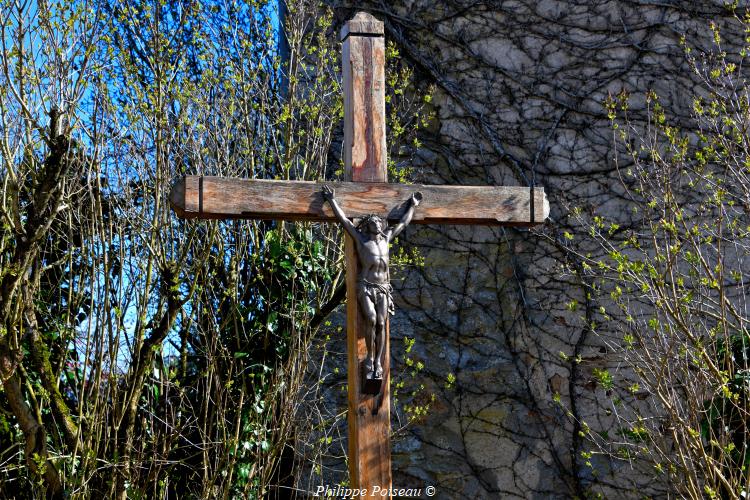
{"x":372,"y":236}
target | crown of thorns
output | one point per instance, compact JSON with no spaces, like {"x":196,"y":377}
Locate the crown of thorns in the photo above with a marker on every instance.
{"x":367,"y":219}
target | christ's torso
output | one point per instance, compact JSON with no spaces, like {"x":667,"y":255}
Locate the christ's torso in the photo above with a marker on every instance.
{"x":373,"y":257}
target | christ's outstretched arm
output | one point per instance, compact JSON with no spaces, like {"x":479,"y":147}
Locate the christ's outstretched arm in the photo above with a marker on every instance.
{"x":329,"y":196}
{"x":406,"y":219}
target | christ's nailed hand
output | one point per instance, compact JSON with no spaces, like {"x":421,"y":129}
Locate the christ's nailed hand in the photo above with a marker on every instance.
{"x":416,"y":198}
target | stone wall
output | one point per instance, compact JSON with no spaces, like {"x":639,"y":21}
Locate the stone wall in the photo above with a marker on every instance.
{"x":519,"y":98}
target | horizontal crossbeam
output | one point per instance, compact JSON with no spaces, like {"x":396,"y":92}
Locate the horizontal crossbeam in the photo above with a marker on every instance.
{"x":227,"y":198}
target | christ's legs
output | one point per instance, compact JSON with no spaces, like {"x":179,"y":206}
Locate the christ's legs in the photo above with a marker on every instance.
{"x":368,"y":313}
{"x":381,"y":321}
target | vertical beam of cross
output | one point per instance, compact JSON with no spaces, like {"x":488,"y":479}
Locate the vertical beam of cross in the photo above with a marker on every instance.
{"x":363,"y":67}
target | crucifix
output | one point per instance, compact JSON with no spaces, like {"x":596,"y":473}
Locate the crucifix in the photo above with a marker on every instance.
{"x":365,"y":196}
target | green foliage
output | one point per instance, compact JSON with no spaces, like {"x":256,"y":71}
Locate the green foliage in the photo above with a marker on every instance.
{"x":190,"y":335}
{"x":408,"y":112}
{"x":604,"y":377}
{"x":669,"y":272}
{"x":164,"y":357}
{"x":408,"y":392}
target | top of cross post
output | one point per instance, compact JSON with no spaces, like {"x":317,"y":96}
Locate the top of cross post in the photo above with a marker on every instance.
{"x":363,"y":24}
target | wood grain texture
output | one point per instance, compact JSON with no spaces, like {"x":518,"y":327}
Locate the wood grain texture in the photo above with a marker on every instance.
{"x":363,"y":71}
{"x":369,"y":416}
{"x":362,"y":23}
{"x":222,"y":198}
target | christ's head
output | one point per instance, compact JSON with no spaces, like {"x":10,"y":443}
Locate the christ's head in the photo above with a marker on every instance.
{"x":371,"y":225}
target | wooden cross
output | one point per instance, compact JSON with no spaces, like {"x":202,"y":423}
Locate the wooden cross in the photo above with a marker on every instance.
{"x":366,"y":192}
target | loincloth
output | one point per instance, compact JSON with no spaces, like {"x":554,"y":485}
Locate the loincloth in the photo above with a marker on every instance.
{"x":373,"y":291}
